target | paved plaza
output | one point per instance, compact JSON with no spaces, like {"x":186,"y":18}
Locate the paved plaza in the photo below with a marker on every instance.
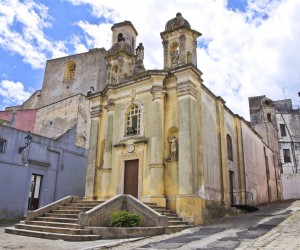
{"x":275,"y":226}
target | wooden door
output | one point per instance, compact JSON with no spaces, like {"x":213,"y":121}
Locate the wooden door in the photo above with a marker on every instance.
{"x":34,"y":192}
{"x":131,"y":177}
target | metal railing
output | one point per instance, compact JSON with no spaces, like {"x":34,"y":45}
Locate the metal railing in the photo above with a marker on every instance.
{"x":241,"y":198}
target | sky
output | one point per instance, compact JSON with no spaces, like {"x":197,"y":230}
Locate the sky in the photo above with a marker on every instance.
{"x":247,"y":48}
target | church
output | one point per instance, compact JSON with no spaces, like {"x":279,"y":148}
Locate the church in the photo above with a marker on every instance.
{"x":163,"y":137}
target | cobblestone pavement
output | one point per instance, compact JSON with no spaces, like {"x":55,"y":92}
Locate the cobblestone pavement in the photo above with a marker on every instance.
{"x":276,"y":226}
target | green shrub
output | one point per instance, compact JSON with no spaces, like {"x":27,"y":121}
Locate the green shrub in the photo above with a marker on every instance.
{"x":125,"y":219}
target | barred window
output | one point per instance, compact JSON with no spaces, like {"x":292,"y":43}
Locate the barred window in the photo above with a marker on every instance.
{"x":286,"y":155}
{"x":2,"y":145}
{"x":282,"y":130}
{"x":133,"y":120}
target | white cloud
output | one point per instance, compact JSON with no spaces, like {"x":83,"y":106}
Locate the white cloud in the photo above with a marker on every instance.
{"x":13,"y":93}
{"x":248,"y":53}
{"x":22,"y":27}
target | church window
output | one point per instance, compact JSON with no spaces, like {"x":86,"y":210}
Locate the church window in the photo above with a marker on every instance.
{"x":133,"y":120}
{"x":286,"y":155}
{"x":120,"y":37}
{"x":2,"y":145}
{"x":174,"y":52}
{"x":229,"y":148}
{"x":70,"y":71}
{"x":282,"y":130}
{"x":269,"y":117}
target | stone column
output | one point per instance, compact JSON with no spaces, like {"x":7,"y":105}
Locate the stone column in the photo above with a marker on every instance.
{"x":93,"y":146}
{"x":194,"y":59}
{"x":166,"y":54}
{"x":157,"y":147}
{"x":182,"y":55}
{"x":187,"y":138}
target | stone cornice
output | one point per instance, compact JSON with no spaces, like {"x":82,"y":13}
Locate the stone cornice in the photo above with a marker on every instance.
{"x":96,"y":111}
{"x":186,"y":88}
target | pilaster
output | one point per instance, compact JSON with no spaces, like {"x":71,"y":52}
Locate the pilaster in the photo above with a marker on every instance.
{"x":222,"y":150}
{"x":187,"y":137}
{"x":95,"y":113}
{"x":166,"y":54}
{"x":157,"y":147}
{"x":107,"y":158}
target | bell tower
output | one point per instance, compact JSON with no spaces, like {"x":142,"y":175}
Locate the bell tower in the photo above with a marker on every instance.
{"x":121,"y":57}
{"x":179,"y":43}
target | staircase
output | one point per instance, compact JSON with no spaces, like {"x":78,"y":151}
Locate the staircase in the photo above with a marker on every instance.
{"x":58,"y":224}
{"x":62,"y":222}
{"x":175,"y":223}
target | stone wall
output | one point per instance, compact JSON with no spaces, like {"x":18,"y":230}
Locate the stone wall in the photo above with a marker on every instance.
{"x":54,"y":120}
{"x":90,"y":71}
{"x":291,"y":186}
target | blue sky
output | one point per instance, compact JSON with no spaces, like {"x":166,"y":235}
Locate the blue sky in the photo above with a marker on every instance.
{"x":248,"y":47}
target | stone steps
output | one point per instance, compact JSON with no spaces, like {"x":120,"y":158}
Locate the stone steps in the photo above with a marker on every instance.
{"x":60,"y":220}
{"x":65,"y":211}
{"x":175,"y":223}
{"x":53,"y":224}
{"x":54,"y":215}
{"x":59,"y":230}
{"x":60,"y":223}
{"x":52,"y":236}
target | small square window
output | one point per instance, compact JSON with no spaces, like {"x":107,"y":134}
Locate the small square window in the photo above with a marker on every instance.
{"x":282,"y":130}
{"x":286,"y":155}
{"x":2,"y":145}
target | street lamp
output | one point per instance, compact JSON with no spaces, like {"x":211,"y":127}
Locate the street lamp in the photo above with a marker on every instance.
{"x":28,"y":140}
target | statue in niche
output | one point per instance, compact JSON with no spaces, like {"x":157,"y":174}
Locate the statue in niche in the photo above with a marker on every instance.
{"x":175,"y":56}
{"x":174,"y":148}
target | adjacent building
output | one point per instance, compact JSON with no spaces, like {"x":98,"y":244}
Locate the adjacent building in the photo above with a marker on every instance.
{"x":278,"y":122}
{"x":36,"y":170}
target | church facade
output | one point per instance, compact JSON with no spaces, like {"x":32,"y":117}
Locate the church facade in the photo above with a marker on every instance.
{"x":164,"y":137}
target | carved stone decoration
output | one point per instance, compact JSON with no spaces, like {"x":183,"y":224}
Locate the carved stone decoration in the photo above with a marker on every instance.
{"x":139,"y":61}
{"x":130,"y":148}
{"x":110,"y":106}
{"x":173,"y":148}
{"x":158,"y":92}
{"x":133,"y":95}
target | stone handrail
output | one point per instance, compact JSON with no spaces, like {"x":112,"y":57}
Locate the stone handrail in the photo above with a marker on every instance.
{"x":31,"y":215}
{"x":100,"y":216}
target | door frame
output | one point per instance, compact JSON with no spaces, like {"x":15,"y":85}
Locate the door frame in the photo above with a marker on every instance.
{"x":139,"y":175}
{"x":29,"y":198}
